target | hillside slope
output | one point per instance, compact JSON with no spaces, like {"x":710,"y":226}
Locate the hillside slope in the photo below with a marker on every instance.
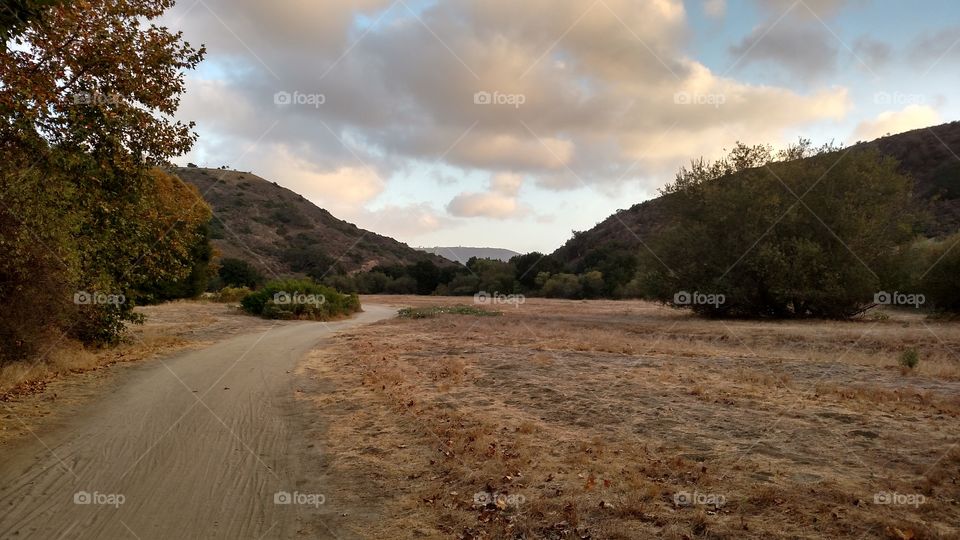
{"x":282,"y":233}
{"x":929,"y":156}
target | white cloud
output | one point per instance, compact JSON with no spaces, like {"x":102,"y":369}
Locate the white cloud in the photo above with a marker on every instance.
{"x":715,"y":8}
{"x":499,"y":202}
{"x":892,"y":122}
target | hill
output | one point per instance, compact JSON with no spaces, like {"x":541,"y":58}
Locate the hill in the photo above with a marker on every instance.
{"x":929,"y":156}
{"x":462,"y":254}
{"x":282,"y":233}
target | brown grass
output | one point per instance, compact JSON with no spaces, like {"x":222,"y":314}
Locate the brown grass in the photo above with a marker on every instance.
{"x":590,"y":419}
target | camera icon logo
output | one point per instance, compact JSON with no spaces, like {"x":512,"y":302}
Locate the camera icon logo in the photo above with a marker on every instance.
{"x":482,"y":98}
{"x":283,"y":298}
{"x":682,"y":298}
{"x":882,"y":297}
{"x":82,"y":298}
{"x":82,"y":497}
{"x":682,"y":498}
{"x":282,"y":497}
{"x":283,"y":98}
{"x":682,"y":98}
{"x":482,"y":297}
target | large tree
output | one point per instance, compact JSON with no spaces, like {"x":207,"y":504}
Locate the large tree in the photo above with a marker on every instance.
{"x":87,"y":94}
{"x":808,"y":232}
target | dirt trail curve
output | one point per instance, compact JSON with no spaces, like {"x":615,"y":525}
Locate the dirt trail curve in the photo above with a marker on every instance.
{"x":193,"y":446}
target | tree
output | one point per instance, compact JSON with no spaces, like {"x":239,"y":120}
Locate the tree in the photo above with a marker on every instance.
{"x":239,"y":273}
{"x":86,"y":102}
{"x":939,"y":281}
{"x":527,"y":266}
{"x":563,"y":286}
{"x":789,"y":238}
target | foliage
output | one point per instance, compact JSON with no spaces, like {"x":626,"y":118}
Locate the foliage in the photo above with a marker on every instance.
{"x":563,"y":286}
{"x":940,"y":278}
{"x":910,"y":358}
{"x":791,"y":238}
{"x":232,"y":294}
{"x":299,"y":299}
{"x":239,"y":273}
{"x":433,"y":311}
{"x":86,"y":102}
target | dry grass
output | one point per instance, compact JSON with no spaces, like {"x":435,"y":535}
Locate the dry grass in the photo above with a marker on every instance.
{"x":595,"y":419}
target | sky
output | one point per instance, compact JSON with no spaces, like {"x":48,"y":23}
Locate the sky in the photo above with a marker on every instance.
{"x":509,"y":124}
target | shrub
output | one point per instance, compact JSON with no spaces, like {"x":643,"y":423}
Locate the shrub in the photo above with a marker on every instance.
{"x":433,"y":311}
{"x":239,"y":273}
{"x":909,"y":358}
{"x":562,"y":286}
{"x":299,"y":299}
{"x":939,"y":282}
{"x":232,"y":294}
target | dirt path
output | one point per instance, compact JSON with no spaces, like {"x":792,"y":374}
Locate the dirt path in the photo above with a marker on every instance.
{"x":205,"y":444}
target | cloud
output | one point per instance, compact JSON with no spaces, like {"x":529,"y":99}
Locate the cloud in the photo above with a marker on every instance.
{"x":499,"y":202}
{"x":599,"y":83}
{"x":715,"y":8}
{"x":805,"y":50}
{"x":892,"y":122}
{"x":930,"y":50}
{"x":404,"y":221}
{"x":875,"y":54}
{"x":822,"y":9}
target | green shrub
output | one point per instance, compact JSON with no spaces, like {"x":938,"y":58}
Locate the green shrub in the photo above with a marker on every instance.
{"x":239,"y":273}
{"x":433,"y":311}
{"x":909,"y":358}
{"x":299,"y":299}
{"x":939,"y":282}
{"x":232,"y":294}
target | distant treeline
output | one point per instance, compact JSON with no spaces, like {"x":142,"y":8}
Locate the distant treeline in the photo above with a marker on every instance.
{"x":804,"y":232}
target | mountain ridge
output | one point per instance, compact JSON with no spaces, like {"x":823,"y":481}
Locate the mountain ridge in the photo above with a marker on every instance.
{"x":929,"y":156}
{"x":284,"y":234}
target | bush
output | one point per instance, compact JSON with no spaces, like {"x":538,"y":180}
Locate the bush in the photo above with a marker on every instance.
{"x":239,"y":273}
{"x":232,"y":294}
{"x":909,"y":358}
{"x":299,"y":299}
{"x":562,"y":286}
{"x":940,"y":282}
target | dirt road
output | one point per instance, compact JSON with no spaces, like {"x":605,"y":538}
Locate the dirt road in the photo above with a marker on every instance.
{"x":206,"y":444}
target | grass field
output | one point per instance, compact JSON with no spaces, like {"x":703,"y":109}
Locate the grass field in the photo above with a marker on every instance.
{"x":566,"y":419}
